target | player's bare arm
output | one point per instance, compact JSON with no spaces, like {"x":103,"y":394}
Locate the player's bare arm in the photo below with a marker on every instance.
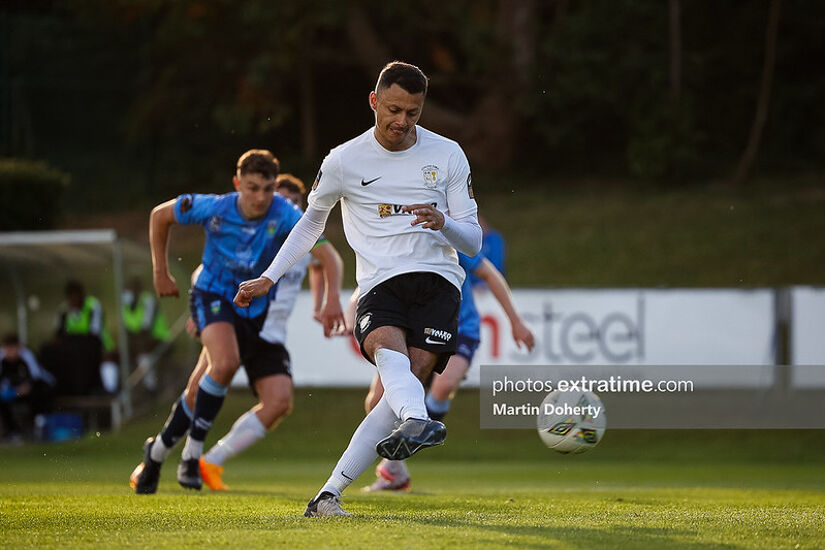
{"x":501,"y":290}
{"x":160,"y":220}
{"x":332,"y":315}
{"x":317,"y":287}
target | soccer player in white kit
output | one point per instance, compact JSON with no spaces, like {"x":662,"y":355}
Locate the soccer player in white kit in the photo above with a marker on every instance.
{"x":407,"y":205}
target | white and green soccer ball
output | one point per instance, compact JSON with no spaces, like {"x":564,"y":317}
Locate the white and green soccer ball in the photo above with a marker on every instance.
{"x":571,"y":422}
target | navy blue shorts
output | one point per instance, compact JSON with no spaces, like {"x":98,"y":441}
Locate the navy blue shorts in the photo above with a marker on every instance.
{"x":466,"y":347}
{"x":259,"y":357}
{"x":207,"y":308}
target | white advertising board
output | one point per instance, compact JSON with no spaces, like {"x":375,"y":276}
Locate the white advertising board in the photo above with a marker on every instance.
{"x":635,"y":327}
{"x":808,"y":335}
{"x":580,"y":327}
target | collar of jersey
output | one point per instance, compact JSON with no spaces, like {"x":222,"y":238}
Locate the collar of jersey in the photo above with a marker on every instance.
{"x":381,"y":149}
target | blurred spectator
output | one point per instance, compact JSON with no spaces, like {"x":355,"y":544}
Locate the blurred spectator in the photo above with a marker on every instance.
{"x":146,"y":327}
{"x":493,"y":248}
{"x":75,"y":354}
{"x":23,"y":384}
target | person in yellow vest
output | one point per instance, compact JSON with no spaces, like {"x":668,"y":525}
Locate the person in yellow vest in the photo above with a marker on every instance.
{"x":75,"y":354}
{"x":146,"y":326}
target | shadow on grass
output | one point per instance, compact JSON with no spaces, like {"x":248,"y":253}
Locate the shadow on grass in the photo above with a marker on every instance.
{"x":573,"y":536}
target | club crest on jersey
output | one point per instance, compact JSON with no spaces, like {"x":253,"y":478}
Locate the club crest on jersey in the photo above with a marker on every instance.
{"x":271,"y":226}
{"x":430,"y":173}
{"x":215,"y":223}
{"x":470,"y":186}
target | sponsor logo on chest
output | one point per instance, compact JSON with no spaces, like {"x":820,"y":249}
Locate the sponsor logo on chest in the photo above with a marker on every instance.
{"x":386,"y":210}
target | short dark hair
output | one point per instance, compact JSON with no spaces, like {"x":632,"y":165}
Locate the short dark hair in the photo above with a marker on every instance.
{"x":259,"y":161}
{"x":408,"y":76}
{"x":11,"y":340}
{"x":292,"y":183}
{"x":73,"y":286}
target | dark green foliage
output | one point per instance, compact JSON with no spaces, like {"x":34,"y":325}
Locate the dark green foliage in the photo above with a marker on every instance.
{"x":30,"y":194}
{"x":150,"y":99}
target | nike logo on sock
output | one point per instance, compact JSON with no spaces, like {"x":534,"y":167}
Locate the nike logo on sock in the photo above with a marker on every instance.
{"x":346,"y":476}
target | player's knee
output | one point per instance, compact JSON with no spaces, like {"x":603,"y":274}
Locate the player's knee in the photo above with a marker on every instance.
{"x":284,"y":408}
{"x":275,"y":410}
{"x":222,"y":370}
{"x":372,"y":399}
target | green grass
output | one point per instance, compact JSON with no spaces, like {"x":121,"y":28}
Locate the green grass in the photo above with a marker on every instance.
{"x":690,"y":236}
{"x":655,"y":489}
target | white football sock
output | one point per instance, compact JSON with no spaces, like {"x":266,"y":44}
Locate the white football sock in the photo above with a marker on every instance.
{"x":192,"y":449}
{"x":360,"y":452}
{"x":403,"y":390}
{"x":159,"y":451}
{"x":246,"y":431}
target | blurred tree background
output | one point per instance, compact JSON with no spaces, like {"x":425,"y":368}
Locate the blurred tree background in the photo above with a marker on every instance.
{"x":138,"y":100}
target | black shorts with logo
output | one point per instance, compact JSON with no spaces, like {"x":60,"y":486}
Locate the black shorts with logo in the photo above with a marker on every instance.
{"x":259,"y":357}
{"x":266,"y":359}
{"x":425,"y":304}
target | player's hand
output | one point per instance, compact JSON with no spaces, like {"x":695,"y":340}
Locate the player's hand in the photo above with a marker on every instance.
{"x":191,"y":328}
{"x":332,"y":319}
{"x":426,"y":214}
{"x":165,"y":284}
{"x":523,"y":336}
{"x":251,"y":289}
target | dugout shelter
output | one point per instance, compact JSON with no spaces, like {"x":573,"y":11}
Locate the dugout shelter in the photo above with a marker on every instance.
{"x":98,"y":252}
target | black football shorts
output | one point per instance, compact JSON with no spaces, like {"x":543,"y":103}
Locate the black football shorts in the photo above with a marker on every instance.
{"x":424,"y":304}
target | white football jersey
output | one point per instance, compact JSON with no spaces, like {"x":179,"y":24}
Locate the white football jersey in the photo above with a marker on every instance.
{"x":274,"y":329}
{"x":373,"y":184}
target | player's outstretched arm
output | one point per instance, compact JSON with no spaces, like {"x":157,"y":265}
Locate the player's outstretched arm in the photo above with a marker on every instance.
{"x":160,"y":220}
{"x":501,"y":290}
{"x":297,"y":245}
{"x":331,"y":315}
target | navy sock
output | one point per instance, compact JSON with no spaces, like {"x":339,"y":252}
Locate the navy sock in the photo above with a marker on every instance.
{"x":207,"y":404}
{"x":177,"y":424}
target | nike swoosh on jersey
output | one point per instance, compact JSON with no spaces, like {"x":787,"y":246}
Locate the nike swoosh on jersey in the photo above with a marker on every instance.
{"x":431,"y":341}
{"x":370,"y":181}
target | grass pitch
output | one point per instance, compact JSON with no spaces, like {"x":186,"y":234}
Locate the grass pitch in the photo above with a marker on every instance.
{"x":483,"y":489}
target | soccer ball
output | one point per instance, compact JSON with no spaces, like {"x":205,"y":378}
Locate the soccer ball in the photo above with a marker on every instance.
{"x":571,"y":422}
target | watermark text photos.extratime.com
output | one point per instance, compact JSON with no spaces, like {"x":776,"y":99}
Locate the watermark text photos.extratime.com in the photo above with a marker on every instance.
{"x":612,"y":384}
